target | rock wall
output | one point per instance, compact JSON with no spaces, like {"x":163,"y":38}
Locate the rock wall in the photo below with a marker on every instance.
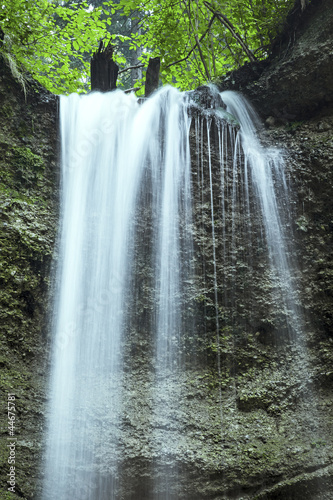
{"x":259,"y":427}
{"x":28,"y":220}
{"x":276,"y":416}
{"x":296,"y":82}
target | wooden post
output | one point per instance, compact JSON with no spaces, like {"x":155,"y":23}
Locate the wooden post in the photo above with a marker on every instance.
{"x":103,"y":69}
{"x":152,"y":75}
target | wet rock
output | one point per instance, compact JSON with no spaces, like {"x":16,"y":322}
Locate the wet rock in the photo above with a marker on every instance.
{"x":206,"y":102}
{"x":207,"y":97}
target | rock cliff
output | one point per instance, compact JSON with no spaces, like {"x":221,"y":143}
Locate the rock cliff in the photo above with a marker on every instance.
{"x":29,"y":177}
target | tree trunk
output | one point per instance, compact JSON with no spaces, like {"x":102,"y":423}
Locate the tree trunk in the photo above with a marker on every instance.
{"x":103,"y":69}
{"x":136,"y":74}
{"x":152,"y":75}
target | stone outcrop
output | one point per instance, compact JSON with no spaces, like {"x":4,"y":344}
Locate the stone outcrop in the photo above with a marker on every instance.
{"x":296,"y":82}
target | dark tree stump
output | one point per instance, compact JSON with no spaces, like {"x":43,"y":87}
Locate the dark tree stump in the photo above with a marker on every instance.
{"x":103,"y":69}
{"x":152,"y":75}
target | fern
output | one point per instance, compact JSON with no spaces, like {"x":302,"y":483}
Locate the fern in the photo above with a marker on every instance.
{"x":15,"y":72}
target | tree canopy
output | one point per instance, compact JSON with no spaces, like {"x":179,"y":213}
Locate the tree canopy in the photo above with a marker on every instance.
{"x":197,"y":40}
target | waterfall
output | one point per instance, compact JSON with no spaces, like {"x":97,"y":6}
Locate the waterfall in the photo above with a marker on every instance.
{"x":264,"y":192}
{"x":119,"y":159}
{"x":144,"y":238}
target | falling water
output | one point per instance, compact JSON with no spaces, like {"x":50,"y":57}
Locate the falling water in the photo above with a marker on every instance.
{"x":173,"y":270}
{"x":126,"y":197}
{"x":251,"y":253}
{"x":261,"y":190}
{"x":262,"y":196}
{"x":113,"y":150}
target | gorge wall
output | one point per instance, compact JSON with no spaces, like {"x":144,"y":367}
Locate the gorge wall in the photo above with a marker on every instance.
{"x":276,"y":420}
{"x":29,"y":177}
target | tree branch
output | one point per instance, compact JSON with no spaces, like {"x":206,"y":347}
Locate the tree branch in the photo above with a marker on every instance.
{"x":131,"y":67}
{"x":197,"y":41}
{"x":127,"y":91}
{"x":194,"y":46}
{"x":227,"y":24}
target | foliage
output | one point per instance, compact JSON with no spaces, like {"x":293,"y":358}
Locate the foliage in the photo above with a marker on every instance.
{"x":120,"y":29}
{"x":197,"y":40}
{"x":45,"y":37}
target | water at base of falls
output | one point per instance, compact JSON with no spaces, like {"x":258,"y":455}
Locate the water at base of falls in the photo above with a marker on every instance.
{"x":119,"y":160}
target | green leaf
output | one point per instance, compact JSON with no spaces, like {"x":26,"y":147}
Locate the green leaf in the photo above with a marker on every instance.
{"x":55,"y":42}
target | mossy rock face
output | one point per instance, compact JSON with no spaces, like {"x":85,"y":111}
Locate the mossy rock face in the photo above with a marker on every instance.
{"x":28,"y":222}
{"x":28,"y":167}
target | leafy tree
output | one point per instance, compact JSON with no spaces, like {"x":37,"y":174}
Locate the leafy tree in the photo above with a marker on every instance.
{"x":197,"y":40}
{"x":127,"y":27}
{"x":44,"y":37}
{"x":120,"y":29}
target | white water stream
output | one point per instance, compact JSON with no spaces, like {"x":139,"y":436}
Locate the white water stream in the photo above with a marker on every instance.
{"x":111,"y":147}
{"x":113,"y":150}
{"x":262,"y":177}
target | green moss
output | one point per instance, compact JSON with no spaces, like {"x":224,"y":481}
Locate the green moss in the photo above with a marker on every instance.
{"x":28,"y":169}
{"x":6,"y":111}
{"x":28,"y":166}
{"x":19,"y":378}
{"x":292,"y":127}
{"x":20,"y":169}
